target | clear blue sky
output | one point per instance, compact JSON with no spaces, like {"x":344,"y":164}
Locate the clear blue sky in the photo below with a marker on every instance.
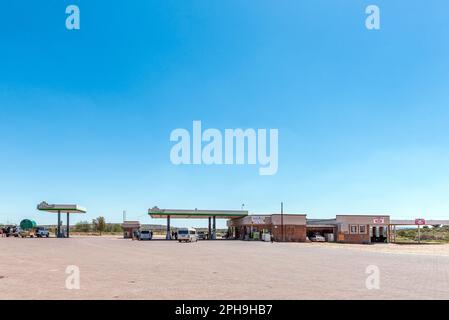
{"x":85,"y":116}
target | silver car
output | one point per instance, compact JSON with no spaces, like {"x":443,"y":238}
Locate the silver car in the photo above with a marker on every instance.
{"x":317,"y":238}
{"x":145,"y":235}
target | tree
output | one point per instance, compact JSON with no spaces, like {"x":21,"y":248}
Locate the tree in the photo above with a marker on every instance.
{"x":99,"y":224}
{"x":113,"y":227}
{"x":82,"y":226}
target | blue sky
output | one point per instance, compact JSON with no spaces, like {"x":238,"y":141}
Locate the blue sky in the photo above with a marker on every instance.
{"x":86,"y":115}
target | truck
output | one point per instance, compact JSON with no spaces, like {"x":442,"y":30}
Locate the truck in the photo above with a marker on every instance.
{"x":12,"y":231}
{"x":42,"y":232}
{"x":27,"y":228}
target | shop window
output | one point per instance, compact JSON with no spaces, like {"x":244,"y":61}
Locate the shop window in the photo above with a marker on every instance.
{"x":354,"y":229}
{"x":362,"y":229}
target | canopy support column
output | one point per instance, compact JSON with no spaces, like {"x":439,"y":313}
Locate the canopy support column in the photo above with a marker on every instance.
{"x":68,"y":225}
{"x":168,"y":236}
{"x":214,"y":231}
{"x":209,"y":235}
{"x":58,"y":229}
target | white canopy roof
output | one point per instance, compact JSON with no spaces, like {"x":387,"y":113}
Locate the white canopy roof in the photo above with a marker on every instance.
{"x":69,"y":208}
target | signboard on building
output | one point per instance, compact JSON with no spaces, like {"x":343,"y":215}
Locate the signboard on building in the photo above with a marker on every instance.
{"x":258,"y":220}
{"x":420,"y":222}
{"x":379,"y":220}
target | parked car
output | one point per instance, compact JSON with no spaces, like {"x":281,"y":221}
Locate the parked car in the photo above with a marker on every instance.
{"x":42,"y":232}
{"x":202,"y":235}
{"x":13,"y":231}
{"x":317,"y":238}
{"x":187,"y":235}
{"x":145,"y":235}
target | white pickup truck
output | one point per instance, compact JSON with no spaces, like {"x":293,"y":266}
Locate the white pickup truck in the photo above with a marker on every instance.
{"x":42,"y":232}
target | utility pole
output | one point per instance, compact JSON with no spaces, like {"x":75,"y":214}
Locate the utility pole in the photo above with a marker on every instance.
{"x":124,"y":215}
{"x":282,"y":221}
{"x":419,"y":234}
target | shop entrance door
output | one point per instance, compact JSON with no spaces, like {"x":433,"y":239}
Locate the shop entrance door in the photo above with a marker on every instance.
{"x":379,"y":234}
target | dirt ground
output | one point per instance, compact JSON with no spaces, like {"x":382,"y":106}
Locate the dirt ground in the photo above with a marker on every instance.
{"x":114,"y":268}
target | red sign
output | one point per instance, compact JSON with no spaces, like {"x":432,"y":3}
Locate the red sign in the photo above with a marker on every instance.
{"x":378,"y":220}
{"x":420,"y":222}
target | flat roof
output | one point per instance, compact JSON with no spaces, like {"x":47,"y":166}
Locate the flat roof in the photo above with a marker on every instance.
{"x":362,"y":215}
{"x":321,"y":223}
{"x":64,"y":208}
{"x":155,"y":212}
{"x":131,"y":224}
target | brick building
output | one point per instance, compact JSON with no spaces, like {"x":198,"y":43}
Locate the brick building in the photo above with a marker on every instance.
{"x":288,"y":228}
{"x":297,"y":228}
{"x":130,"y":228}
{"x":362,"y":228}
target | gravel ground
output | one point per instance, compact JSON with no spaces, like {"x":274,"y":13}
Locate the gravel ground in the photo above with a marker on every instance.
{"x":113,"y":268}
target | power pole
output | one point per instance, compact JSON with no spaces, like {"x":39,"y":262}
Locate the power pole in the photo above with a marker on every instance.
{"x":419,"y":234}
{"x":282,"y":221}
{"x":124,"y":215}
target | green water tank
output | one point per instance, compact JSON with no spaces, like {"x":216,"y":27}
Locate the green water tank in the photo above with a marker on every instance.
{"x":27,"y":224}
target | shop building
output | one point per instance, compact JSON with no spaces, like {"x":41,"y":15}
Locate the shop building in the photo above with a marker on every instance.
{"x":362,"y":228}
{"x":296,"y":227}
{"x":130,"y":228}
{"x":285,"y":228}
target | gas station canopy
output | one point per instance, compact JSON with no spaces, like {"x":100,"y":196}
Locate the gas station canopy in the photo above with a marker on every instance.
{"x":413,"y":222}
{"x":155,"y":212}
{"x":63,"y":208}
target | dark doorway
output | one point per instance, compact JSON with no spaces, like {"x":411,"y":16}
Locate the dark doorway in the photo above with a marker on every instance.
{"x":379,"y":234}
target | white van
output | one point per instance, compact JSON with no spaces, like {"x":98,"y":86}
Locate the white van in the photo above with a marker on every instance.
{"x":187,"y":235}
{"x":145,"y":235}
